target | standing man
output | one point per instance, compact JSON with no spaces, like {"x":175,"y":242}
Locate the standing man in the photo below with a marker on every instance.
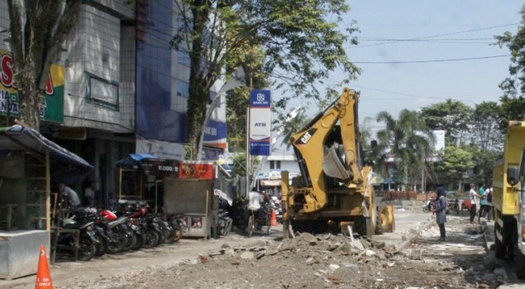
{"x":473,"y":196}
{"x":488,"y":204}
{"x":482,"y":209}
{"x":89,"y":194}
{"x":441,"y":212}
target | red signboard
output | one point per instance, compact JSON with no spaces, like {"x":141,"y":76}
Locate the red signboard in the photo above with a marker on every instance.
{"x":201,"y":171}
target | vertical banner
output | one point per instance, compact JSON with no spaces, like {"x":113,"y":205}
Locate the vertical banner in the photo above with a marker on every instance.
{"x":260,"y":122}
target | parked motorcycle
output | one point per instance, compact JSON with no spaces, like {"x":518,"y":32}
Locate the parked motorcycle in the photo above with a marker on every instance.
{"x":178,"y":222}
{"x":225,"y":223}
{"x":428,"y":206}
{"x":87,"y":239}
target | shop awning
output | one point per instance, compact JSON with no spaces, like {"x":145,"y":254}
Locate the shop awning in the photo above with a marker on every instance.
{"x":133,"y":160}
{"x":65,"y":166}
{"x":271,"y":183}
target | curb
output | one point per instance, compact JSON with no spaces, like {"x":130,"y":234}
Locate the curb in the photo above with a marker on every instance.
{"x":411,"y":237}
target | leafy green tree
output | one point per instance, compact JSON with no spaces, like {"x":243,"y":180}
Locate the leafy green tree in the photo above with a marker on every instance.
{"x":485,"y":122}
{"x":38,"y":29}
{"x":409,"y":140}
{"x":452,"y":116}
{"x":512,"y":108}
{"x":301,"y":46}
{"x":453,"y":165}
{"x":374,"y":152}
{"x":512,"y":101}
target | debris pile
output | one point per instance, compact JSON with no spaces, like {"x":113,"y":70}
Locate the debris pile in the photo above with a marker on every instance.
{"x":312,"y":248}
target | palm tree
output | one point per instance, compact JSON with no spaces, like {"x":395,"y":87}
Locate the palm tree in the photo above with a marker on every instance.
{"x":290,"y":124}
{"x":409,"y":140}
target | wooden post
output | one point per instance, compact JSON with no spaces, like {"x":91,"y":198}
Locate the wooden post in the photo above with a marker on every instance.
{"x":48,"y":192}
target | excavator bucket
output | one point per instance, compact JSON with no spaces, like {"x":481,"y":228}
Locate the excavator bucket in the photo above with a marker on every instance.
{"x":334,"y":167}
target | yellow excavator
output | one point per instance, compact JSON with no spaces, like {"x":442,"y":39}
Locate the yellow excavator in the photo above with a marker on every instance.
{"x":333,"y":192}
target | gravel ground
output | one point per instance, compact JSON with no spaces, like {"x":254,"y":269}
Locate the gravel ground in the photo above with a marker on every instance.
{"x":322,"y":261}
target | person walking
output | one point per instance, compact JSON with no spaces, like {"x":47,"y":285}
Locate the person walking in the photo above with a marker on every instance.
{"x":441,"y":212}
{"x":488,"y":204}
{"x":473,"y":196}
{"x":482,"y":208}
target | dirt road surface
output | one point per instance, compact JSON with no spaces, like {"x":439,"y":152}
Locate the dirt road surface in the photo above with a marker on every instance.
{"x":412,"y":257}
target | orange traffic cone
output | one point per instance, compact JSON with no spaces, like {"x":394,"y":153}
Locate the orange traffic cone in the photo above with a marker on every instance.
{"x":273,"y":219}
{"x":43,"y":278}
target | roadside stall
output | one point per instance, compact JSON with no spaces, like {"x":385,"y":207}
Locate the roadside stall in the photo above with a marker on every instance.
{"x":141,"y":178}
{"x":172,"y":186}
{"x":192,"y":193}
{"x":30,"y":163}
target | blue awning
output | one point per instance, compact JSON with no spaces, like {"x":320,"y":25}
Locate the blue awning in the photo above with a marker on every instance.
{"x":66,"y":167}
{"x":133,"y":160}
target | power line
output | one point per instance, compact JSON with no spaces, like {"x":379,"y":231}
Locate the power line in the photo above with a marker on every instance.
{"x":430,"y":61}
{"x":437,"y":35}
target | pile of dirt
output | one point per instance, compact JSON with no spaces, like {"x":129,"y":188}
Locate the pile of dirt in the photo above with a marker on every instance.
{"x":307,"y":261}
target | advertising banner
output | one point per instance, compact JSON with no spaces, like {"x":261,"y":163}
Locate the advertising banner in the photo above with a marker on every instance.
{"x":260,"y":122}
{"x":201,"y":171}
{"x":215,"y":134}
{"x":53,"y":103}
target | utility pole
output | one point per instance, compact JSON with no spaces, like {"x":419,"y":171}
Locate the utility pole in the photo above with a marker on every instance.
{"x":248,"y":157}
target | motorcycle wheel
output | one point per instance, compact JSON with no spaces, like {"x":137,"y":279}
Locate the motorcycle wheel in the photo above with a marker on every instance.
{"x":116,"y":242}
{"x":151,"y":239}
{"x":131,"y":240}
{"x":100,"y":247}
{"x":178,"y":235}
{"x":170,"y":235}
{"x":425,"y":209}
{"x":140,"y":241}
{"x":86,"y":249}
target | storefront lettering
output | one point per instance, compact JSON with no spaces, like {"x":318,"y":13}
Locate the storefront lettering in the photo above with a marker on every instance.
{"x":165,"y":168}
{"x":211,"y":130}
{"x":7,"y":76}
{"x":5,"y":100}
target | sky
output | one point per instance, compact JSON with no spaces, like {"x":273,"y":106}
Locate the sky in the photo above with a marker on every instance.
{"x":415,"y":53}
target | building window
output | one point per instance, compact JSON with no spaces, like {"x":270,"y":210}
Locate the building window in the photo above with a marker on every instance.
{"x":102,"y":91}
{"x":183,"y":57}
{"x":275,"y":165}
{"x":183,"y":89}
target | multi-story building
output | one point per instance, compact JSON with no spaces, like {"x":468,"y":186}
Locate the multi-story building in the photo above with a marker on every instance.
{"x":120,"y":87}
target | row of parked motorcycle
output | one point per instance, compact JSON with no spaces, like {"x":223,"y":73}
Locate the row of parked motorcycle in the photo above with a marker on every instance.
{"x":132,"y":226}
{"x":123,"y":227}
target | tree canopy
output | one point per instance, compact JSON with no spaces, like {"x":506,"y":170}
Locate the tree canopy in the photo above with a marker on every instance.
{"x":452,"y":116}
{"x":513,"y":87}
{"x":409,"y":140}
{"x":300,"y":46}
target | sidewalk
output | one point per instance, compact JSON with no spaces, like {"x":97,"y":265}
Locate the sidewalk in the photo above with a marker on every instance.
{"x":408,"y":226}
